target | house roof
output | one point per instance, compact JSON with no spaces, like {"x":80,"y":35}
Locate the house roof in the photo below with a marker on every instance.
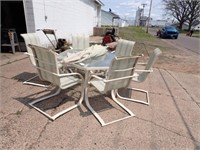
{"x":99,"y":2}
{"x":111,"y":13}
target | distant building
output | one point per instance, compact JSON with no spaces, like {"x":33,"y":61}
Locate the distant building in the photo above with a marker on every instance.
{"x":123,"y":23}
{"x":197,"y":27}
{"x":140,"y":19}
{"x":158,"y":23}
{"x":108,"y":18}
{"x":184,"y":26}
{"x":138,"y":16}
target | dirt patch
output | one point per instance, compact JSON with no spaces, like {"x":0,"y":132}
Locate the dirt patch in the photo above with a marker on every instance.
{"x":187,"y":62}
{"x":172,"y":58}
{"x":179,"y":60}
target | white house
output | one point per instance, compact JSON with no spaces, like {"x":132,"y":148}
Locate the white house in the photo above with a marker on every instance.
{"x":123,"y":23}
{"x":197,"y":27}
{"x":109,"y":18}
{"x":65,"y":16}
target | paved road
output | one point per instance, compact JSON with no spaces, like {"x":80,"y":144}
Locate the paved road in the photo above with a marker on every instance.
{"x":189,"y":43}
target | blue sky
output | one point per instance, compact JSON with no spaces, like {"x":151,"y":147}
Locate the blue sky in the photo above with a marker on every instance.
{"x":127,"y":8}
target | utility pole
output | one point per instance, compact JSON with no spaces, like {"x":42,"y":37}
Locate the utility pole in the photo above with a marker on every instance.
{"x":149,"y":17}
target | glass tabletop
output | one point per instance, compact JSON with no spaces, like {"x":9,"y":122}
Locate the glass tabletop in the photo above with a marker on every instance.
{"x":93,"y":63}
{"x":100,"y":61}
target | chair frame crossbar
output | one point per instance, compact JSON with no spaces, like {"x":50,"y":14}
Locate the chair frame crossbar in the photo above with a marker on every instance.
{"x":136,"y":100}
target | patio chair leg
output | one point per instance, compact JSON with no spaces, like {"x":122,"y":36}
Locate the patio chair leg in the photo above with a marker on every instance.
{"x":115,"y":100}
{"x":136,"y":100}
{"x":58,"y":114}
{"x":32,"y":83}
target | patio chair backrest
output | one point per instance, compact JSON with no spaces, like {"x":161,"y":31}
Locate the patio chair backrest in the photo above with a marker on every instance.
{"x":80,"y":41}
{"x":31,"y":38}
{"x":152,"y":59}
{"x":124,"y":48}
{"x":120,"y":72}
{"x":46,"y":64}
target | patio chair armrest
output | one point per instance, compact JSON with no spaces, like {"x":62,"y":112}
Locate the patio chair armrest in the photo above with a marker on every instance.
{"x":121,"y":78}
{"x":70,"y":74}
{"x":140,"y":63}
{"x":97,"y":77}
{"x":137,"y":70}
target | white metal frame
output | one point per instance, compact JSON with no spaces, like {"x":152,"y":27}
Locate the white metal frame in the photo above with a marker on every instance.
{"x":33,"y":83}
{"x":32,"y":38}
{"x":113,"y":94}
{"x":136,"y":100}
{"x":102,"y":122}
{"x":141,"y":76}
{"x":55,"y":78}
{"x":56,"y":93}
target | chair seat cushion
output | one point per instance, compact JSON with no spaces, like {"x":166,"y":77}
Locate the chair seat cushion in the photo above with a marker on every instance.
{"x":66,"y":82}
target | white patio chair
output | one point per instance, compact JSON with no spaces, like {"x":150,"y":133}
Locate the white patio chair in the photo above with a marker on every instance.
{"x":141,"y":75}
{"x":119,"y":76}
{"x":124,"y":48}
{"x":80,"y":41}
{"x":47,"y":66}
{"x":32,"y":38}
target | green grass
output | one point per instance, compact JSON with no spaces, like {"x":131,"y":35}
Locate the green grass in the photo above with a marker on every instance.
{"x":196,"y":35}
{"x":143,"y":40}
{"x":135,"y":34}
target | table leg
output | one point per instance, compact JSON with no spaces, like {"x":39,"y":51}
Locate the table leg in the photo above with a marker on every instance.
{"x":87,"y":74}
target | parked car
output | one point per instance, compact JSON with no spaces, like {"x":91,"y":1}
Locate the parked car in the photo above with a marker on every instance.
{"x":168,"y":32}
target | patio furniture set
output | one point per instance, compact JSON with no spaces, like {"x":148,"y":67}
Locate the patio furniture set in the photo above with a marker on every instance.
{"x":118,"y":67}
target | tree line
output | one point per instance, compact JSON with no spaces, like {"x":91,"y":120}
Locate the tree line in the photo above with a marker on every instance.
{"x":184,"y":11}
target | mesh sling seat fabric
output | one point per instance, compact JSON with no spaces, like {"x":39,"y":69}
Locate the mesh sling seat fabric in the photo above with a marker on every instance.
{"x":32,"y":38}
{"x":80,"y":41}
{"x":124,"y":48}
{"x":119,"y":76}
{"x":141,"y":76}
{"x":47,"y":66}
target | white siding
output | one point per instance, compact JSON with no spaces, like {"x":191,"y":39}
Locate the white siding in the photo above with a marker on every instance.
{"x":67,"y":17}
{"x":28,"y":10}
{"x":106,"y":18}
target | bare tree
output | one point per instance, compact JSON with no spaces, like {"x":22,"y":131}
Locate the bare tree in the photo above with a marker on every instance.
{"x":194,"y":13}
{"x":178,"y":9}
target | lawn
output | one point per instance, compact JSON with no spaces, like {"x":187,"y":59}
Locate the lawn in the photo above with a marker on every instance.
{"x":134,"y":33}
{"x":143,"y":40}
